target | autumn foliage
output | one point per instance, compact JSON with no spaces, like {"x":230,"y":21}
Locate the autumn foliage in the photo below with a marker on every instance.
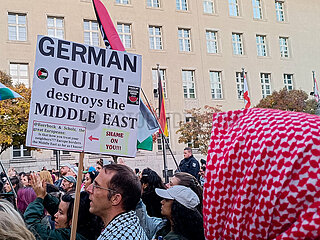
{"x":198,"y":129}
{"x":14,"y":115}
{"x":294,"y":100}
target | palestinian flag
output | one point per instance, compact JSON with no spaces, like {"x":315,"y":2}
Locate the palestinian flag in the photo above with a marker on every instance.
{"x":42,"y":73}
{"x":7,"y":93}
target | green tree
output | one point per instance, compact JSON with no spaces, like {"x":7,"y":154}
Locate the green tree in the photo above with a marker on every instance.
{"x":294,"y":100}
{"x":14,"y":115}
{"x":198,"y":129}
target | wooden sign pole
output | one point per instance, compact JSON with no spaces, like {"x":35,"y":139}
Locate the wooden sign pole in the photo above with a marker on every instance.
{"x":77,"y":199}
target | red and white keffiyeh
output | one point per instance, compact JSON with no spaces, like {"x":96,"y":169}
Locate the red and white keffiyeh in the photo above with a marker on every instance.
{"x":263,"y":176}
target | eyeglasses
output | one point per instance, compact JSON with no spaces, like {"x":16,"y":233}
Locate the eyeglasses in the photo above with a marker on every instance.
{"x":94,"y":185}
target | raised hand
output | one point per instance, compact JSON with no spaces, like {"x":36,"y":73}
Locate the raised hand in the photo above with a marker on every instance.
{"x":40,"y":187}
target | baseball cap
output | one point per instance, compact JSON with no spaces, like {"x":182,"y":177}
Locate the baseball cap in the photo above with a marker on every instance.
{"x":70,"y":179}
{"x":74,"y":169}
{"x":181,"y":194}
{"x":91,"y":169}
{"x":65,"y":165}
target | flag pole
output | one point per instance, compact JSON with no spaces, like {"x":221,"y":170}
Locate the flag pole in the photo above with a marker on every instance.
{"x":315,"y":91}
{"x":162,"y":133}
{"x":243,"y":86}
{"x":164,"y":153}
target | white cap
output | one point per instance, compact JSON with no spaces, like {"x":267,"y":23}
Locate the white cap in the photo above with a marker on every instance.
{"x":181,"y":194}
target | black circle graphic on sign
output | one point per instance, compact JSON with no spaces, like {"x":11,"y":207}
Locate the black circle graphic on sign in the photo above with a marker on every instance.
{"x":42,"y":74}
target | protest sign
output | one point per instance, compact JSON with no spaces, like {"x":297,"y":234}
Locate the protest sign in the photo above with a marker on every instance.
{"x":84,"y":98}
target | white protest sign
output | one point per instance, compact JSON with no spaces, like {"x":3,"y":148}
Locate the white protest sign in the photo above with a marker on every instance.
{"x":84,"y":98}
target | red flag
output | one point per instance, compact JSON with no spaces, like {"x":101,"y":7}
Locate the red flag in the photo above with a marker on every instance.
{"x":108,"y":31}
{"x":316,"y":90}
{"x":246,"y":95}
{"x":162,"y":110}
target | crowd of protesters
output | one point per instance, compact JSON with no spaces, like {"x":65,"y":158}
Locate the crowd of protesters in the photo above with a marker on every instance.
{"x":116,"y":202}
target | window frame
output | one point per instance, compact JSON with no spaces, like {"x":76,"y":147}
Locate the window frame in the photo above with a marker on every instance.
{"x":234,"y":8}
{"x":91,"y":31}
{"x":284,"y":48}
{"x":123,"y":34}
{"x":240,"y":85}
{"x":280,"y":12}
{"x":22,"y":149}
{"x":262,"y":47}
{"x":17,"y":26}
{"x":257,"y":9}
{"x":187,"y":94}
{"x":214,"y":83}
{"x":264,"y":84}
{"x":163,"y":76}
{"x":55,"y":28}
{"x":208,"y":4}
{"x":185,"y":40}
{"x":212,"y":41}
{"x":237,"y":44}
{"x":286,"y":80}
{"x":153,"y":3}
{"x":123,"y":2}
{"x":17,"y":79}
{"x":180,"y":5}
{"x":153,"y":38}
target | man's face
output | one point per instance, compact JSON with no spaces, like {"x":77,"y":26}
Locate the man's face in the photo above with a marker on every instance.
{"x":66,"y":185}
{"x":64,"y":170}
{"x":98,"y":167}
{"x":60,"y":220}
{"x":100,"y":204}
{"x":186,"y":154}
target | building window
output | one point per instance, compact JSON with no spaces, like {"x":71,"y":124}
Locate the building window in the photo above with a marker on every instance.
{"x":155,"y":37}
{"x":237,"y":43}
{"x":191,"y":143}
{"x":184,"y":40}
{"x":124,"y":31}
{"x":123,"y":2}
{"x":182,"y":5}
{"x":261,"y":45}
{"x":288,"y":81}
{"x":284,"y":47}
{"x":163,"y":81}
{"x":55,"y":27}
{"x":257,"y":9}
{"x":20,"y":151}
{"x":61,"y":152}
{"x":19,"y":73}
{"x":188,"y":84}
{"x":216,"y":86}
{"x":17,"y":27}
{"x":159,"y":138}
{"x":208,"y":6}
{"x":212,"y":41}
{"x":265,"y":84}
{"x":153,"y":3}
{"x":234,"y":8}
{"x":240,"y":84}
{"x":91,"y":32}
{"x":280,"y":10}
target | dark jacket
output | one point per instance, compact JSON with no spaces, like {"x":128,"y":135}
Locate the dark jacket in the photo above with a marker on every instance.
{"x":190,"y":165}
{"x":34,"y":214}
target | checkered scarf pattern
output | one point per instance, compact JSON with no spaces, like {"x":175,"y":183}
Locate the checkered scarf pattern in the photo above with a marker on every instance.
{"x":124,"y":227}
{"x":263,"y":176}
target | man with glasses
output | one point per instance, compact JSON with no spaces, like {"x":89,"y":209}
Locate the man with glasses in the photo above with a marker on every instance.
{"x":114,"y":195}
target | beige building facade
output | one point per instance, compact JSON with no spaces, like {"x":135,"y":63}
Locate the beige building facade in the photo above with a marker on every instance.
{"x":200,"y":45}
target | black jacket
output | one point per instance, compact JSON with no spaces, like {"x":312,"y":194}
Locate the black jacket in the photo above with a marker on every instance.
{"x":190,"y":165}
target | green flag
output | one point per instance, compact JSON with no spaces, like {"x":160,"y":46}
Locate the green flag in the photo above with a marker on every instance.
{"x":147,"y":144}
